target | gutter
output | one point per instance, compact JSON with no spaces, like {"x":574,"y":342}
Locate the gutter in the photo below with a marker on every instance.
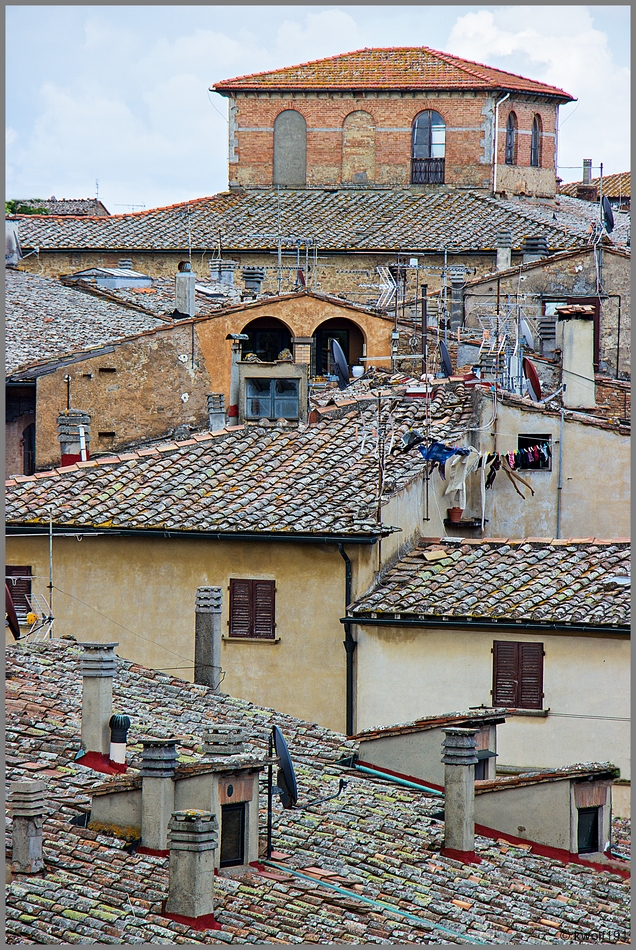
{"x":463,"y":623}
{"x":66,"y":530}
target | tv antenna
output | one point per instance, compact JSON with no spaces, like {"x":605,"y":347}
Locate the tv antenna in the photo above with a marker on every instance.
{"x":287,"y":786}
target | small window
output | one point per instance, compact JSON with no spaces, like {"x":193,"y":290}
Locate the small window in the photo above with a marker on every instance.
{"x":517,"y":675}
{"x":252,"y":609}
{"x":588,"y":825}
{"x":271,"y":398}
{"x":535,"y":142}
{"x":534,"y":451}
{"x":107,"y":369}
{"x":482,"y":770}
{"x":511,"y":140}
{"x":232,"y":835}
{"x":19,"y":581}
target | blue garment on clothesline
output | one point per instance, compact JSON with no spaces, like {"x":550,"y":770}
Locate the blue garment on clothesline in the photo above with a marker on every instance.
{"x":438,"y":452}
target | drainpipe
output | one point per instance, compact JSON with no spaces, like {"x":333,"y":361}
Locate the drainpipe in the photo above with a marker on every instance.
{"x":560,"y":481}
{"x":496,"y":143}
{"x":349,"y":642}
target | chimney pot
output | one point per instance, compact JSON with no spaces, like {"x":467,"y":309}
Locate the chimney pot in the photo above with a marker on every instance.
{"x":587,"y":171}
{"x":74,"y":435}
{"x":119,"y":726}
{"x":216,"y":411}
{"x":207,"y":637}
{"x":223,"y":740}
{"x":158,"y":766}
{"x":98,"y":665}
{"x":504,"y":249}
{"x":26,"y":802}
{"x":193,"y":838}
{"x":184,"y":289}
{"x":534,"y":248}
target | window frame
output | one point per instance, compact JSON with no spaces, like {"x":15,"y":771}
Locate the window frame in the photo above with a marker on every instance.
{"x":512,"y":130}
{"x":239,"y":808}
{"x":536,"y":141}
{"x":429,"y":167}
{"x":274,"y":398}
{"x":518,"y":677}
{"x":247,"y":627}
{"x":596,"y":811}
{"x":533,"y":438}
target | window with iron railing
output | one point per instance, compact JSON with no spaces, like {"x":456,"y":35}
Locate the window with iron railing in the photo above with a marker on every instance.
{"x":428,"y":149}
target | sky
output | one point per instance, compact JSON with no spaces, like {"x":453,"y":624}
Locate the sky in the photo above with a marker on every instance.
{"x":118,"y":95}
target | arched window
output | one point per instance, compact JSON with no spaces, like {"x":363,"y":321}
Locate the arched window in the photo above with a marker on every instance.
{"x":428,"y":149}
{"x":511,"y":140}
{"x":358,"y":148}
{"x":290,"y":149}
{"x":535,"y":142}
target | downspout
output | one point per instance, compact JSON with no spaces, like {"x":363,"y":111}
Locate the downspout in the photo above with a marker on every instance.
{"x":349,"y":642}
{"x":560,"y":481}
{"x":496,"y":143}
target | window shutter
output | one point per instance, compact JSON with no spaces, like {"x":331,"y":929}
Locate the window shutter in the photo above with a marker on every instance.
{"x":240,"y":608}
{"x":19,"y":581}
{"x":263,"y":601}
{"x":505,"y":674}
{"x":531,"y":675}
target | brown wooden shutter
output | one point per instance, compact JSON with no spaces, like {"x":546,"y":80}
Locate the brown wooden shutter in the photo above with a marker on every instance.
{"x":531,"y":675}
{"x":505,"y":674}
{"x":240,"y":608}
{"x":19,"y":581}
{"x":263,"y":609}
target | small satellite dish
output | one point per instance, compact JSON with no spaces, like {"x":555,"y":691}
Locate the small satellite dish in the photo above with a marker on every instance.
{"x":608,"y":215}
{"x":446,"y":363}
{"x":534,"y":385}
{"x":286,"y":778}
{"x":526,"y":334}
{"x":340,"y":364}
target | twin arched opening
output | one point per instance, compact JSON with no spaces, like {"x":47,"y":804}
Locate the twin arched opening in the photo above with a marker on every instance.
{"x":268,"y":337}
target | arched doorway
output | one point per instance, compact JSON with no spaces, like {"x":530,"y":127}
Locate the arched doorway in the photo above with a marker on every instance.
{"x":348,"y":335}
{"x":267,"y":337}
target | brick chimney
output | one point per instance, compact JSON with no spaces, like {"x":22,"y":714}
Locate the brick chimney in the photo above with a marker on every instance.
{"x":575,"y":339}
{"x":74,"y":436}
{"x":158,"y":766}
{"x":98,"y":669}
{"x":26,"y":802}
{"x":504,"y":249}
{"x":184,"y":291}
{"x":207,"y":637}
{"x":193,"y":838}
{"x":459,"y":757}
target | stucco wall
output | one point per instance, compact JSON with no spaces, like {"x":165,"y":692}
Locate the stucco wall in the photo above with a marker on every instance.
{"x":538,"y":812}
{"x":405,"y":673}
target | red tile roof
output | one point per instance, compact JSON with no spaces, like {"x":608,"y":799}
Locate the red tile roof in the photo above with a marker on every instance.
{"x":614,"y":186}
{"x":405,"y":67}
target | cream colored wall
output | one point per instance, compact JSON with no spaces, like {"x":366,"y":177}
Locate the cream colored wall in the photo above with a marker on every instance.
{"x":595,"y":497}
{"x":538,"y":812}
{"x":406,"y":673}
{"x":417,"y":753}
{"x":145,"y":592}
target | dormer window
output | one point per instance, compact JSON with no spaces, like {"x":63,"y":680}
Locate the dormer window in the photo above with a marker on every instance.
{"x":511,"y":140}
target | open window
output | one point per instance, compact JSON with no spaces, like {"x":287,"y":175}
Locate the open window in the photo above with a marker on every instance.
{"x":534,"y":451}
{"x":535,"y":142}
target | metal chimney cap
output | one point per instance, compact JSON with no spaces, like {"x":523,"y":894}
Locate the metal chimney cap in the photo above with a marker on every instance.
{"x":184,"y":267}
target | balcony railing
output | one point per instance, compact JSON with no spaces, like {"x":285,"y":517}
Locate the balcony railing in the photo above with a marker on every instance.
{"x":427,"y":171}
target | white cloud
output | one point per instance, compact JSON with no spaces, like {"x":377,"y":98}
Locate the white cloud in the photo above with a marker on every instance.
{"x":559,"y":46}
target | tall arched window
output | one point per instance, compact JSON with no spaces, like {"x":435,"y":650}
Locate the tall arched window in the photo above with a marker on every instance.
{"x":535,"y":142}
{"x":511,"y":140}
{"x":290,"y":149}
{"x":428,"y":148}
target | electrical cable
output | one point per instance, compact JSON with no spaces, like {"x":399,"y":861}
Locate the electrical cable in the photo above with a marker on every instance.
{"x":225,"y":119}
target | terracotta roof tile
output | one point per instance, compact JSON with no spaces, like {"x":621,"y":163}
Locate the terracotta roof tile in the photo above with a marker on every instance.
{"x":614,"y":186}
{"x":412,"y":68}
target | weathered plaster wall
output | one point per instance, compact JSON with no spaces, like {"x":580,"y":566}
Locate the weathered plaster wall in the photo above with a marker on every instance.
{"x":538,"y":812}
{"x":14,"y":448}
{"x":405,"y":673}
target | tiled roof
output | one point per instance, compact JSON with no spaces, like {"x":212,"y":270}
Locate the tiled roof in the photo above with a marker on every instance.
{"x":623,"y":253}
{"x":64,"y":206}
{"x":534,"y":580}
{"x":319,"y":479}
{"x":376,"y":841}
{"x":434,"y":722}
{"x":570,"y":216}
{"x":336,"y":219}
{"x":158,"y":299}
{"x":614,"y":186}
{"x":44,"y":319}
{"x":406,"y":67}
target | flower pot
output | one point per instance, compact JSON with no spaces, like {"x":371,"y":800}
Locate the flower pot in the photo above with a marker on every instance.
{"x":455,"y":515}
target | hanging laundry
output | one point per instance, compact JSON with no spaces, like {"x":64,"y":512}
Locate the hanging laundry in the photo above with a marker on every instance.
{"x":436,"y":452}
{"x":495,"y":465}
{"x":514,"y":477}
{"x":459,"y":468}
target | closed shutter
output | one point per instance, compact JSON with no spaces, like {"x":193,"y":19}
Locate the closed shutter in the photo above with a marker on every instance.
{"x":263,"y":600}
{"x":240,"y":608}
{"x":531,"y":675}
{"x":505,"y":674}
{"x":19,"y":581}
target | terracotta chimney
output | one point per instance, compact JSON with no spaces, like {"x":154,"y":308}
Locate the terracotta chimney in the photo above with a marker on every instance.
{"x":26,"y":802}
{"x":74,"y":436}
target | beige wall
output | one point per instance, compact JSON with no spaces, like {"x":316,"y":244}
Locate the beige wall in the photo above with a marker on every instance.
{"x":406,"y":673}
{"x":538,"y":812}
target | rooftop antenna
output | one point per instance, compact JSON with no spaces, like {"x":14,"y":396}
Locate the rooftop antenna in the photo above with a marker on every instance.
{"x":287,"y":786}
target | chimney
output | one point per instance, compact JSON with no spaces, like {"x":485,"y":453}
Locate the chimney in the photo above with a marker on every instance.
{"x":119,"y":726}
{"x":504,"y":249}
{"x":26,"y":801}
{"x":459,"y":757}
{"x":303,"y":349}
{"x":98,"y":669}
{"x":253,"y":277}
{"x":207,"y":637}
{"x":74,"y":435}
{"x":184,"y":291}
{"x":216,"y":411}
{"x":223,"y":740}
{"x":587,"y":171}
{"x":193,"y":839}
{"x":534,"y":248}
{"x":223,"y":272}
{"x":575,"y":339}
{"x":158,"y":765}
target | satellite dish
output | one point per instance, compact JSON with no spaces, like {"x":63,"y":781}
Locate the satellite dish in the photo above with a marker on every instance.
{"x":340,"y":364}
{"x":446,"y":363}
{"x":526,"y":334}
{"x":286,"y":778}
{"x":534,"y":385}
{"x":607,"y":215}
{"x":9,"y":610}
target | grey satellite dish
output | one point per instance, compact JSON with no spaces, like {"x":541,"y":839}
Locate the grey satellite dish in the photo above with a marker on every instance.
{"x":526,"y":334}
{"x":446,"y":362}
{"x":340,"y":364}
{"x":608,"y":215}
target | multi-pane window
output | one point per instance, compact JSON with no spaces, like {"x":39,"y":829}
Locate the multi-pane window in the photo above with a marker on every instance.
{"x":517,"y":675}
{"x":511,"y":140}
{"x":271,"y":398}
{"x":587,"y":831}
{"x":428,"y":148}
{"x":535,"y":142}
{"x":252,"y":613}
